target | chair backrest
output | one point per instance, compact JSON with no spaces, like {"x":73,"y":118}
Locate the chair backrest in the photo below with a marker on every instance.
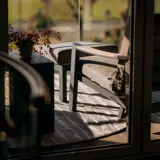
{"x":156,"y":54}
{"x":125,"y":43}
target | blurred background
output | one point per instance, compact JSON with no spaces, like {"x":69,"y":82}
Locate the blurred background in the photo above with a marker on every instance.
{"x":87,"y":20}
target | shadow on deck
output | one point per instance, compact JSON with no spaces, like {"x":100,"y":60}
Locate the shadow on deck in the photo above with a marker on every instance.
{"x":94,"y":124}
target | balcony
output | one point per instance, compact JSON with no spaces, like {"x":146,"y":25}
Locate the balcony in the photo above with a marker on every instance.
{"x":94,"y":130}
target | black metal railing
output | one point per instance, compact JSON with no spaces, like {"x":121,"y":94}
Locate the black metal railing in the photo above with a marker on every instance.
{"x":39,"y":96}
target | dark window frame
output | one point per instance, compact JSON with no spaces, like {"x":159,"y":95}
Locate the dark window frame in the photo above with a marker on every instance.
{"x":3,"y":44}
{"x":148,"y":145}
{"x":137,"y":89}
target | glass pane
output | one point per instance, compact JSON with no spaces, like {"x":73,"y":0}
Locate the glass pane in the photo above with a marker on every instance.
{"x":96,"y":121}
{"x":155,"y":116}
{"x":104,"y":20}
{"x":42,"y":14}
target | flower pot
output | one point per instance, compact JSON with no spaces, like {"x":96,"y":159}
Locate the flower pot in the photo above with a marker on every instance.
{"x":25,"y":48}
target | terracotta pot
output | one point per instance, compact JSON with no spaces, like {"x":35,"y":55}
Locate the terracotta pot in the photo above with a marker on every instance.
{"x":26,"y":48}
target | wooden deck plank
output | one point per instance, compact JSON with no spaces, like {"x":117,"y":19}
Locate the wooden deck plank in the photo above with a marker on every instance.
{"x":119,"y":138}
{"x":155,"y":126}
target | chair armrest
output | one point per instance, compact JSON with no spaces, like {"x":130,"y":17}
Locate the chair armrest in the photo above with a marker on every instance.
{"x":96,"y":52}
{"x":101,"y":46}
{"x":106,"y":47}
{"x":61,"y":53}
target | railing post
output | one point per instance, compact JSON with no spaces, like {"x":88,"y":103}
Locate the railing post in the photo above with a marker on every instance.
{"x":39,"y":104}
{"x":4,"y":26}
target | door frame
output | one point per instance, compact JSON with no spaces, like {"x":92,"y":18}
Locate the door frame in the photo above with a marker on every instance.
{"x":148,"y":145}
{"x":135,"y":111}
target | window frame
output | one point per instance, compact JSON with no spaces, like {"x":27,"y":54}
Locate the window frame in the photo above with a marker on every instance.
{"x":148,"y":145}
{"x":135,"y":111}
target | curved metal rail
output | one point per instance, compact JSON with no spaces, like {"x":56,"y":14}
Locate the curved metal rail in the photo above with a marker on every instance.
{"x":37,"y":85}
{"x":39,"y":94}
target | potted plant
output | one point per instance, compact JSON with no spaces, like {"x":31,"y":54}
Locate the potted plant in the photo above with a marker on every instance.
{"x":26,"y":41}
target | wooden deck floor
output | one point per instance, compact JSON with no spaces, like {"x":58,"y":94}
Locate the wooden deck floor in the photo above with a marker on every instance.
{"x":155,"y":126}
{"x":116,"y":139}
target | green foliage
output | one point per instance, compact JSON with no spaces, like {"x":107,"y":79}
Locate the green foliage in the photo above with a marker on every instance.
{"x":59,"y":10}
{"x":44,"y":23}
{"x":157,"y":6}
{"x":29,"y":7}
{"x":115,"y":7}
{"x":111,"y":37}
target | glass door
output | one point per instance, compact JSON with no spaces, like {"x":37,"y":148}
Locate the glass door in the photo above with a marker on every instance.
{"x":151,"y":110}
{"x":95,"y":130}
{"x":97,"y":115}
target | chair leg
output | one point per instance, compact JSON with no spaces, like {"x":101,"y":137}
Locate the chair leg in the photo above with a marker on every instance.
{"x":121,"y":113}
{"x":73,"y":81}
{"x":73,"y":93}
{"x":62,"y":84}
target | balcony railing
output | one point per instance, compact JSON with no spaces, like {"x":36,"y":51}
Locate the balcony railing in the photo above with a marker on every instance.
{"x":39,"y":96}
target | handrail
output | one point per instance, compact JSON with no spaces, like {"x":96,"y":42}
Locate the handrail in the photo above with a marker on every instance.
{"x":38,"y":86}
{"x":39,"y":96}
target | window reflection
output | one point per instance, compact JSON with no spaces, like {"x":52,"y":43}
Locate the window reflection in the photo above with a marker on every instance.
{"x":89,"y":20}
